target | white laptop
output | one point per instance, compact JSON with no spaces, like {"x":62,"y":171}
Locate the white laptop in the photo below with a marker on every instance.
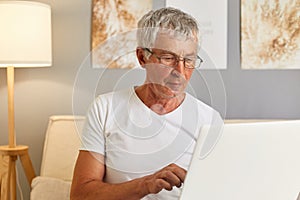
{"x":251,"y":161}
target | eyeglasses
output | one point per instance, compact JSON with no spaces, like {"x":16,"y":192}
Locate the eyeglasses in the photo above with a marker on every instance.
{"x":172,"y":60}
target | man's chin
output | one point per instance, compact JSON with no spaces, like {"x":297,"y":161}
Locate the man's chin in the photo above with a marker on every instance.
{"x":174,"y":92}
{"x":178,"y":93}
{"x":169,"y":92}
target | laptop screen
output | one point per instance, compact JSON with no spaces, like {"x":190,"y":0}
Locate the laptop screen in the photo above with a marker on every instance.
{"x":258,"y":161}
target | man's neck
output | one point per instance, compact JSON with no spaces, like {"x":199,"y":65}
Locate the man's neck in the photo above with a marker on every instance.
{"x":159,"y":102}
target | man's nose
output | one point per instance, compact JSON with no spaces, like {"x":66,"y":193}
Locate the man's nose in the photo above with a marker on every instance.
{"x":179,"y":67}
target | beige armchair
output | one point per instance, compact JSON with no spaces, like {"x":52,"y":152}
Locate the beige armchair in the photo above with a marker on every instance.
{"x":59,"y":156}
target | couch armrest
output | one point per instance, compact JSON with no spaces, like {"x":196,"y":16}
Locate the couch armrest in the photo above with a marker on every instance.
{"x":46,"y":188}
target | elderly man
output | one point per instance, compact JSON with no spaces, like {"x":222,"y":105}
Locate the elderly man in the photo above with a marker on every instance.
{"x":138,"y":142}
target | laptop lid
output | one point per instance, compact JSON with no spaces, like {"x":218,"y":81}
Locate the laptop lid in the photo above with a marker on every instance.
{"x":258,"y":161}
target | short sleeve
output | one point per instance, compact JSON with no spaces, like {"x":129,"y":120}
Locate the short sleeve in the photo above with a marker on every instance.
{"x":92,"y":136}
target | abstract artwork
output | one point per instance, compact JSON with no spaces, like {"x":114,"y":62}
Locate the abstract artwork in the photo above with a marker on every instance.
{"x":110,"y":20}
{"x":212,"y":18}
{"x":270,"y":34}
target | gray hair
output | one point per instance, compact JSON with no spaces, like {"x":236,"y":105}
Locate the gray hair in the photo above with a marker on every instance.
{"x":165,"y":19}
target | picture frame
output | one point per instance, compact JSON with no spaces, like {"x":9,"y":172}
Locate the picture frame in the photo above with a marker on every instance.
{"x":112,"y":22}
{"x":270,"y":34}
{"x":213,"y":22}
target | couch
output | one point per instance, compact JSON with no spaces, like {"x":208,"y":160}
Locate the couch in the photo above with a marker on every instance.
{"x":59,"y":156}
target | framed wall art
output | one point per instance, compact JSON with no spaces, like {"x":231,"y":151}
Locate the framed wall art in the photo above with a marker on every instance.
{"x":112,"y":21}
{"x":270,"y":34}
{"x":212,"y":17}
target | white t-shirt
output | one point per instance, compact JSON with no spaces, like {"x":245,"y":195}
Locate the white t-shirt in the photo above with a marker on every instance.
{"x":136,"y":141}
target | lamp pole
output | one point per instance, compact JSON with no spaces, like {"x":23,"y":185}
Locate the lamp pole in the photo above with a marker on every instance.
{"x":11,"y":111}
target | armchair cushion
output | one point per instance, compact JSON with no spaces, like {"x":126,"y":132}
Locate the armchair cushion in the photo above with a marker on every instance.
{"x":50,"y":188}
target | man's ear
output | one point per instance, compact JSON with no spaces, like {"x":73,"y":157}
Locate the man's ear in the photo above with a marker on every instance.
{"x":140,"y":54}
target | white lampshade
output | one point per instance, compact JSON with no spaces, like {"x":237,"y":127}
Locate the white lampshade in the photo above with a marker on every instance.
{"x":25,"y":36}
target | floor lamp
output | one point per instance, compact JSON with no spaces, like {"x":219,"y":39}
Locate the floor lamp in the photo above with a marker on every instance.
{"x":25,"y":41}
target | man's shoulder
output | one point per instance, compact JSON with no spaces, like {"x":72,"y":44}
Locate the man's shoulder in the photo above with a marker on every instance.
{"x":117,"y":94}
{"x":200,"y":104}
{"x":205,"y":112}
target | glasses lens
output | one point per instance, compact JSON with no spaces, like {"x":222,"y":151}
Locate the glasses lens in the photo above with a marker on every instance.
{"x":193,"y":63}
{"x":168,"y":60}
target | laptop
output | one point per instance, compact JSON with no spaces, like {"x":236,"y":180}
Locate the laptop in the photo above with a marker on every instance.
{"x":250,"y":161}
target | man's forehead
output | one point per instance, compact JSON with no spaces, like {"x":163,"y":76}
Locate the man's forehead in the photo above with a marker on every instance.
{"x":176,"y":43}
{"x":176,"y":35}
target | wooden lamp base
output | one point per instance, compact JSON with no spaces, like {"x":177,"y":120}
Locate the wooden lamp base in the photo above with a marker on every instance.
{"x":19,"y":151}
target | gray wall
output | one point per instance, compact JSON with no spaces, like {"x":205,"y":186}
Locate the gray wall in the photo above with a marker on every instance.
{"x":40,"y":93}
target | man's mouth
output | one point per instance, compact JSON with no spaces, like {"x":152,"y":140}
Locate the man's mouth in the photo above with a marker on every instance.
{"x":175,"y":86}
{"x":174,"y":83}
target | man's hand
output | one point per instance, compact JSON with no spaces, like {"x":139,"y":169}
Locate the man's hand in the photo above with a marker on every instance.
{"x":166,"y":178}
{"x":88,"y":181}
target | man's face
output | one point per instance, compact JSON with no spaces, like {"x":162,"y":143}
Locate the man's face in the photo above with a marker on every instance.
{"x":170,"y":81}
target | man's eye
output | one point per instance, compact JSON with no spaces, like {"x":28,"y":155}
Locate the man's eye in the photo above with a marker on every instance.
{"x":189,"y":60}
{"x":169,"y":58}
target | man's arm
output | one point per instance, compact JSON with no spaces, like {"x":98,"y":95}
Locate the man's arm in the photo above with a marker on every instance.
{"x":90,"y":170}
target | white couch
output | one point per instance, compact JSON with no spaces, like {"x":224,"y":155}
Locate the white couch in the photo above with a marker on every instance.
{"x":59,"y":157}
